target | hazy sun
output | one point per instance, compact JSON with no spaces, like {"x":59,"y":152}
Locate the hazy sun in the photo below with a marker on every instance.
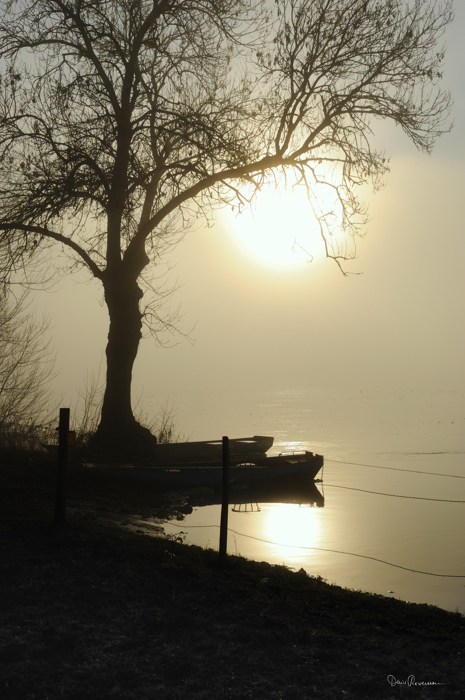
{"x":280,"y":230}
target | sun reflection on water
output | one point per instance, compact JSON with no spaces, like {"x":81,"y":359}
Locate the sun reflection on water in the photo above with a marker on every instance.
{"x":286,"y":527}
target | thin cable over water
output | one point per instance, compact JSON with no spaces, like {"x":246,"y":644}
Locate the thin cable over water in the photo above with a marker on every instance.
{"x":321,"y":549}
{"x":393,"y":495}
{"x":395,"y":469}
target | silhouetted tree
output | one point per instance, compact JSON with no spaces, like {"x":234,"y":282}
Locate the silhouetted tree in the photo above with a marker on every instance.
{"x":122,"y":120}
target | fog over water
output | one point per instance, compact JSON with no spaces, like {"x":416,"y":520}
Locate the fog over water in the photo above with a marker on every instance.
{"x":399,"y":324}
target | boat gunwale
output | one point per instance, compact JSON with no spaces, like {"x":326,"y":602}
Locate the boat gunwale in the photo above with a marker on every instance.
{"x":261,"y":464}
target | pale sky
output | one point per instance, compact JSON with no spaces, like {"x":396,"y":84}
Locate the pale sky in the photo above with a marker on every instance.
{"x":398,"y":324}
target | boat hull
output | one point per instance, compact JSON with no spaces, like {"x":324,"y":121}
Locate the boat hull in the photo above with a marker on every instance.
{"x":292,"y":469}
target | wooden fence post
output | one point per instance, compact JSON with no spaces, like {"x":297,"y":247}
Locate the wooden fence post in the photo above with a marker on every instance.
{"x":224,"y":503}
{"x":60,"y":501}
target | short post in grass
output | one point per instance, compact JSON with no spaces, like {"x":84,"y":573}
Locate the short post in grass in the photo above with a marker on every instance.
{"x":60,"y":501}
{"x":224,"y":503}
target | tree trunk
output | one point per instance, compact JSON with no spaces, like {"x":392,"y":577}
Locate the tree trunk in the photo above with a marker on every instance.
{"x":119,"y":432}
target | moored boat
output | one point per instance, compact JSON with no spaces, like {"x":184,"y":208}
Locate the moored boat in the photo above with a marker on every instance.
{"x":211,"y":450}
{"x":287,"y":468}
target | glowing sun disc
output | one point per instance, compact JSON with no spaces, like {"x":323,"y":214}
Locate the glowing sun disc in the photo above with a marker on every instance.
{"x":280,"y":230}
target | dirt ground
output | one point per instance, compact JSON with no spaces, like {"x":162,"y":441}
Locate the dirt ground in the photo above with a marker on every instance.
{"x":100,"y":608}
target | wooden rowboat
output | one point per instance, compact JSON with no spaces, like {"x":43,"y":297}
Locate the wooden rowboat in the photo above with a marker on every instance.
{"x":288,"y":468}
{"x":211,"y":450}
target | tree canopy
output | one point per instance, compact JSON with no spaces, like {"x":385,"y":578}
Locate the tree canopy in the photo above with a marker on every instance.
{"x":121,"y":121}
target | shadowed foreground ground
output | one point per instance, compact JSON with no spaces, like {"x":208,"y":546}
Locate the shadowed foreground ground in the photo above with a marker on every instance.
{"x":95,"y":611}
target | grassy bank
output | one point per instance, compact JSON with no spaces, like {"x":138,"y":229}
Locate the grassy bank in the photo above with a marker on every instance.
{"x":95,"y":611}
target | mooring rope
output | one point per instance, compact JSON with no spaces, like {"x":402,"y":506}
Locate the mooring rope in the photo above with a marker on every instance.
{"x":395,"y":469}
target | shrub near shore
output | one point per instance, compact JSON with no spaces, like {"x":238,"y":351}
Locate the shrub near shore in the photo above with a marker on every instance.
{"x":94,"y":611}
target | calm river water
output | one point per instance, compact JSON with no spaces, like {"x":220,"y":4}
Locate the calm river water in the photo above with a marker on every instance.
{"x":378,"y":502}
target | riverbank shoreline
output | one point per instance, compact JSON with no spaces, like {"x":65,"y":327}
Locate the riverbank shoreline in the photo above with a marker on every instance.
{"x":101,"y":608}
